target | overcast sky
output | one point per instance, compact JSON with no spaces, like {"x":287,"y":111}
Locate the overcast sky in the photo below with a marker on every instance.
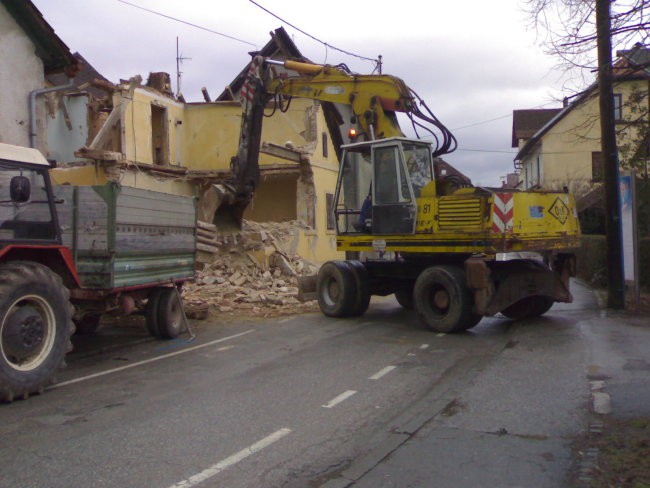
{"x":472,"y":61}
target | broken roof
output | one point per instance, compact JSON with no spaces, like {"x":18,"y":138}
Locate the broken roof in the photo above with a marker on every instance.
{"x":83,"y":79}
{"x":54,"y":53}
{"x":280,"y":46}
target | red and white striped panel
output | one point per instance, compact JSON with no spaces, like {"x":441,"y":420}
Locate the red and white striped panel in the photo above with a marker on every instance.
{"x":503,"y":212}
{"x":248,"y":88}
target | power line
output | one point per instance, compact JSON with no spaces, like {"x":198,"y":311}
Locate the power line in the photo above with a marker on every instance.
{"x":487,"y":151}
{"x":312,"y":37}
{"x":498,"y":118}
{"x":187,"y":23}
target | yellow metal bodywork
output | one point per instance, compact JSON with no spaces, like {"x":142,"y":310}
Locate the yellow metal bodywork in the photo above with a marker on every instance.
{"x":369,"y":96}
{"x":464,"y":223}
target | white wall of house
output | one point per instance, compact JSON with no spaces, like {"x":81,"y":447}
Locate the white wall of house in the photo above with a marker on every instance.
{"x":21,"y":71}
{"x":532,"y":170}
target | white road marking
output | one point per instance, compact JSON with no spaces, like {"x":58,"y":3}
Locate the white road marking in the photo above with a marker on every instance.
{"x":441,"y":334}
{"x":342,"y":397}
{"x":230,"y":461}
{"x":424,"y":346}
{"x":381,"y":373}
{"x":147,"y":361}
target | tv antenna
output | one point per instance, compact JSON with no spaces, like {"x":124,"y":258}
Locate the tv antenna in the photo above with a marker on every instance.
{"x":179,"y":61}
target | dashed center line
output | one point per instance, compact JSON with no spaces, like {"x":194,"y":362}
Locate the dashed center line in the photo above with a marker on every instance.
{"x":441,"y":334}
{"x":424,"y":346}
{"x":234,"y":459}
{"x":342,"y":397}
{"x":382,"y":372}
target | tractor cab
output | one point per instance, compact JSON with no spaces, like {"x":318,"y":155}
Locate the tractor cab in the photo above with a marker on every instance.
{"x":378,"y":184}
{"x":27,"y":213}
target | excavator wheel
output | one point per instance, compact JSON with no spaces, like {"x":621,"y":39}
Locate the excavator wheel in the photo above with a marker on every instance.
{"x":362,"y":299}
{"x":35,"y":328}
{"x":528,"y":307}
{"x":336,"y":289}
{"x":443,"y":301}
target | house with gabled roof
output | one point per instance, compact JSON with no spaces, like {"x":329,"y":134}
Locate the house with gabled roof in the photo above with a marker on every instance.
{"x":565,"y":150}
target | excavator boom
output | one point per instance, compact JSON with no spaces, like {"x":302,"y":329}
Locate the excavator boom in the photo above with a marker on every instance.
{"x":374,"y":100}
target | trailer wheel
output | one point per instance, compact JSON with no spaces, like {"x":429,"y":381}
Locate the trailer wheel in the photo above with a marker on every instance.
{"x":170,"y":314}
{"x":35,"y":328}
{"x":362,"y":295}
{"x":528,"y":307}
{"x":335,"y":288}
{"x":443,"y":301}
{"x":405,"y":298}
{"x":87,"y":324}
{"x":151,"y":311}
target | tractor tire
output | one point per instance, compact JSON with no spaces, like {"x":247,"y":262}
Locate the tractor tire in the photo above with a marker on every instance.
{"x":443,"y":301}
{"x":35,"y":328}
{"x":362,"y":299}
{"x":170,"y":314}
{"x":405,"y":298}
{"x":87,"y":324}
{"x":336,"y":289}
{"x":528,"y":308}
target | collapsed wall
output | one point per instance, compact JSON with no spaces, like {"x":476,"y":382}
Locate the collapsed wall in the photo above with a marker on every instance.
{"x":248,"y":271}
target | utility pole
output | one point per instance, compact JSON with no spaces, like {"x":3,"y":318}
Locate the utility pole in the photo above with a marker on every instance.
{"x":615,"y":276}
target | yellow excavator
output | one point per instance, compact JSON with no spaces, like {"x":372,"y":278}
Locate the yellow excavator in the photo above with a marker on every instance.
{"x":453,"y":254}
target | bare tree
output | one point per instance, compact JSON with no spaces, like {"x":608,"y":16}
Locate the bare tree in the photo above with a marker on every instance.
{"x":567,"y":29}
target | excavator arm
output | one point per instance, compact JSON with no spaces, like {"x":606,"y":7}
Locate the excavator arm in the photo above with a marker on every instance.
{"x":374,"y":99}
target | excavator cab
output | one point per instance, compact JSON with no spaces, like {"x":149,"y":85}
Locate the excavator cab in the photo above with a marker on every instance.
{"x":379,"y":182}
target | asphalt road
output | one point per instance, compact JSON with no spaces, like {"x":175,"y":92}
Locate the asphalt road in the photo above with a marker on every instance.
{"x":293,"y":402}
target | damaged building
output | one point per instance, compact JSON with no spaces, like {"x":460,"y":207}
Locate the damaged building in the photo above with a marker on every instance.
{"x":140,"y":134}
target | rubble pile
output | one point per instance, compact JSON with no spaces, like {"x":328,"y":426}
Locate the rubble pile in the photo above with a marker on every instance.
{"x":251,"y":272}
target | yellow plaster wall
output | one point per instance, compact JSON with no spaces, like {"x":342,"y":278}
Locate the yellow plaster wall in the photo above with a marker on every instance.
{"x":137,"y":125}
{"x":567,"y":147}
{"x":320,"y":245}
{"x":210,"y":135}
{"x":274,"y":200}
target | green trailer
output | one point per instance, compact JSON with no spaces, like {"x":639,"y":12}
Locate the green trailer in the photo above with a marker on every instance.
{"x":128,"y":245}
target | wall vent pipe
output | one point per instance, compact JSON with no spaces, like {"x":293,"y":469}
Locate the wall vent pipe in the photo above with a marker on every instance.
{"x":32,"y":107}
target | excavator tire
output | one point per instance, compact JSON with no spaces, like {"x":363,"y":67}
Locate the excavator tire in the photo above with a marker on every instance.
{"x":362,"y":299}
{"x":35,"y":328}
{"x":528,"y":308}
{"x":443,"y":301}
{"x":336,"y":289}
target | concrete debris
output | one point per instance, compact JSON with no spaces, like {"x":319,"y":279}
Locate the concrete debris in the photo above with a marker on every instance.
{"x":249,"y":271}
